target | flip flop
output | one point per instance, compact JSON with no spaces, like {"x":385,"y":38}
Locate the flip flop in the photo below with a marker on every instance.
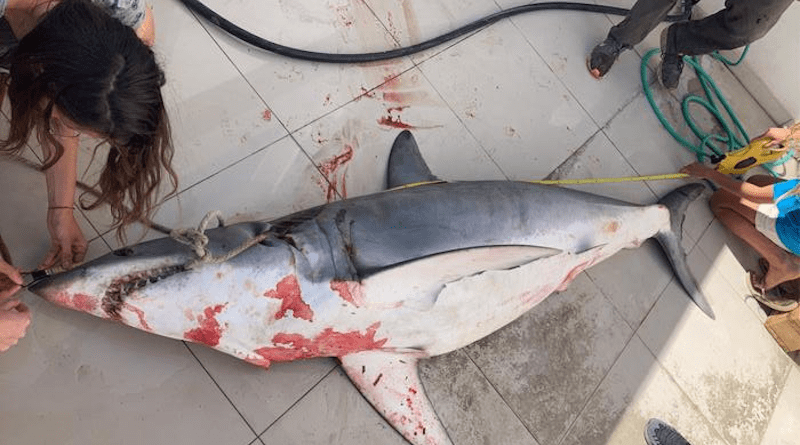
{"x":775,"y":302}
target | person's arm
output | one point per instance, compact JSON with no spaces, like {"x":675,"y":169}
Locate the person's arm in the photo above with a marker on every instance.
{"x":67,"y":243}
{"x":780,"y":135}
{"x":147,"y":30}
{"x":752,"y":192}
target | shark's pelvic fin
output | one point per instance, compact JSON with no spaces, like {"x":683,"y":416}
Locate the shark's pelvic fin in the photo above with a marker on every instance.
{"x":430,"y":274}
{"x":390,"y":382}
{"x":406,"y":165}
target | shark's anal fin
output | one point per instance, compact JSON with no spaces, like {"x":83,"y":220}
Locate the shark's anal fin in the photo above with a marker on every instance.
{"x":406,"y":165}
{"x":390,"y":382}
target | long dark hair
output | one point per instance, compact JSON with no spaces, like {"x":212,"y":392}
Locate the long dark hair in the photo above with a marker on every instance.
{"x":102,"y":77}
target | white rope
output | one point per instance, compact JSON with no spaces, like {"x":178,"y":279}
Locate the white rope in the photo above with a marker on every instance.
{"x":198,"y":241}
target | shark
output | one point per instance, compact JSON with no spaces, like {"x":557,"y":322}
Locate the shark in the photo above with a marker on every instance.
{"x":380,"y":281}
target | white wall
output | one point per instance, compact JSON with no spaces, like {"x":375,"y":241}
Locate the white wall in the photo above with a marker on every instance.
{"x":775,"y":59}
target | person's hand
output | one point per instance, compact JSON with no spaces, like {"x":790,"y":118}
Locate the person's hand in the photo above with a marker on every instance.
{"x":776,"y":135}
{"x":697,"y":170}
{"x":67,"y":243}
{"x":10,"y":280}
{"x":14,"y":320}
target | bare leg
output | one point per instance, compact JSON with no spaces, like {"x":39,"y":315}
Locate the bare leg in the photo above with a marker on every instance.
{"x":738,"y":215}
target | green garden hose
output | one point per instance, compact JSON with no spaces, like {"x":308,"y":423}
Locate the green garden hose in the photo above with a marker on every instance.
{"x":714,"y":145}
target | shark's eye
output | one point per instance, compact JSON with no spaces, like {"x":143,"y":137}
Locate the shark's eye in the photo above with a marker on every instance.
{"x":127,"y":251}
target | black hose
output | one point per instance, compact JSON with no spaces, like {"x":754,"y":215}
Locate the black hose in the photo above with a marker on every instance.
{"x":312,"y":56}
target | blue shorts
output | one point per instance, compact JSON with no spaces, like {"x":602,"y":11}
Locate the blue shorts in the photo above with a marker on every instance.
{"x":780,"y":221}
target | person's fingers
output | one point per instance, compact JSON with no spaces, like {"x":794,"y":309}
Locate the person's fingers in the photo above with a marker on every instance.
{"x":78,"y":253}
{"x":50,"y":258}
{"x":65,"y":257}
{"x":9,"y":304}
{"x":11,"y":272}
{"x":9,"y":292}
{"x":23,"y":308}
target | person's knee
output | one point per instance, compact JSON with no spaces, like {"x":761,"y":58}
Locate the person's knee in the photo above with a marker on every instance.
{"x":720,"y":200}
{"x":746,"y":25}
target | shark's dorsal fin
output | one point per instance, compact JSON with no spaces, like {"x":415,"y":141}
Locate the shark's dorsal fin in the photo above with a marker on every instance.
{"x":406,"y":165}
{"x":392,"y":286}
{"x":390,"y":382}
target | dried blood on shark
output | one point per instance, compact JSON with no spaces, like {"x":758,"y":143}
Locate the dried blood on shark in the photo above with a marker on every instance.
{"x":378,"y":281}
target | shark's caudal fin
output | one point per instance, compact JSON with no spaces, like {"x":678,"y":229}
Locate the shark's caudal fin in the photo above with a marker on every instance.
{"x":677,"y":201}
{"x":406,"y":165}
{"x":390,"y":382}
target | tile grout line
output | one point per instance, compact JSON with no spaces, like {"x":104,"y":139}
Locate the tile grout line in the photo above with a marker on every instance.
{"x":589,"y":398}
{"x":680,"y":387}
{"x":460,"y":120}
{"x":220,"y":389}
{"x":499,"y":394}
{"x":299,"y":399}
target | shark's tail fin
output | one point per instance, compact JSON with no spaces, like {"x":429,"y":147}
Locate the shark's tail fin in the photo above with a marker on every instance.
{"x":677,"y":201}
{"x":406,"y":165}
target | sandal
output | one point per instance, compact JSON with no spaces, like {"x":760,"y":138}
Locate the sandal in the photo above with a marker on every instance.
{"x":776,"y":302}
{"x":603,"y":57}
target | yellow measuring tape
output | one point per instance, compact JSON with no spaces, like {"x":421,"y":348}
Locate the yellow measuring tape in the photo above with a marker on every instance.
{"x":609,"y":180}
{"x":575,"y":181}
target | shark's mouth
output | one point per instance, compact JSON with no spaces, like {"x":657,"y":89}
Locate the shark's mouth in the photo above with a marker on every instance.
{"x":120,"y":288}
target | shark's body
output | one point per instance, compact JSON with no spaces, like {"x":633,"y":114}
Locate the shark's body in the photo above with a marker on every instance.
{"x":378,"y":281}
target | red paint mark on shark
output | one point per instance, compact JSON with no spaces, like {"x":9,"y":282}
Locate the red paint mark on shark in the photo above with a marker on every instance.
{"x":288,"y":291}
{"x":267,"y":114}
{"x":140,"y":314}
{"x":78,"y":302}
{"x":349,"y":291}
{"x":328,"y":343}
{"x":209,"y":332}
{"x":331,"y":170}
{"x":85,"y":303}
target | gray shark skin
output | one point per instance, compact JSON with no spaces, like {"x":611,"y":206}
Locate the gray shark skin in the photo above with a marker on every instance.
{"x":380,"y":281}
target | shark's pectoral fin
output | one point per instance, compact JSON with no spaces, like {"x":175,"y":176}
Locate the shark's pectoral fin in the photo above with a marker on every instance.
{"x":416,"y":284}
{"x":390,"y":382}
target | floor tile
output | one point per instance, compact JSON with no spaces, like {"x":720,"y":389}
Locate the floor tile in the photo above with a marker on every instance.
{"x":76,"y":379}
{"x":547,"y":364}
{"x":262,"y":395}
{"x":334,"y":413}
{"x":729,"y":367}
{"x":784,"y":428}
{"x":468,"y":405}
{"x":636,"y":389}
{"x":511,"y":101}
{"x":276,"y":181}
{"x":598,"y":159}
{"x":646,"y":146}
{"x":216,"y":116}
{"x":352,"y":152}
{"x":299,"y":92}
{"x":633,"y":280}
{"x":411,"y":23}
{"x":732,"y":258}
{"x":566,"y":52}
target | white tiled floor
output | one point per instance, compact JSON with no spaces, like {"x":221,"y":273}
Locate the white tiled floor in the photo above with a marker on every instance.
{"x":257,"y":136}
